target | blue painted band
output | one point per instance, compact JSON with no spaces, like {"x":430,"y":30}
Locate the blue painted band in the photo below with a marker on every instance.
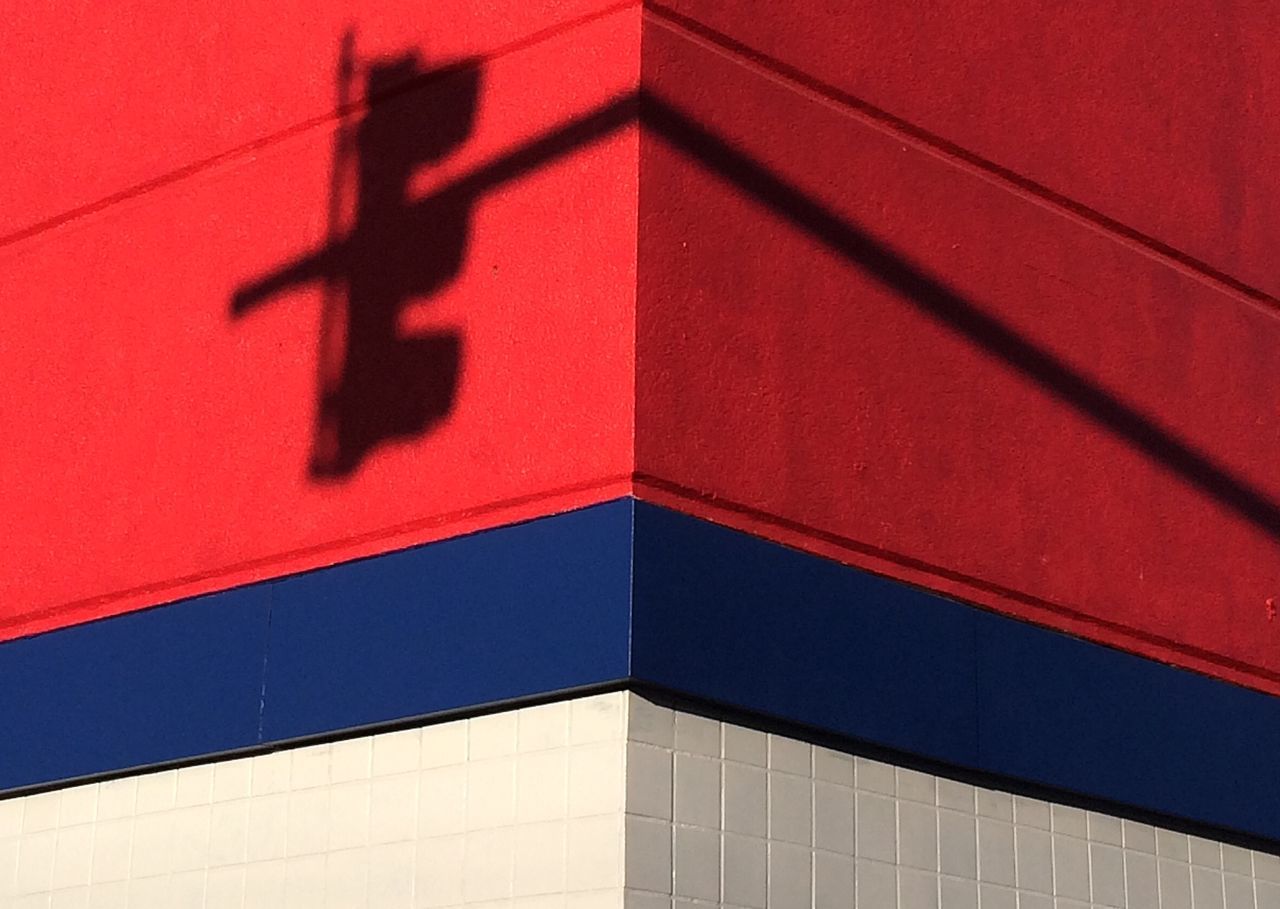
{"x":727,"y":617}
{"x":629,"y":590}
{"x":509,"y":613}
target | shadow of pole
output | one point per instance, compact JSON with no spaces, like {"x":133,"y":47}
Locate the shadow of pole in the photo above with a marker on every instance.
{"x":947,"y":307}
{"x":392,"y":232}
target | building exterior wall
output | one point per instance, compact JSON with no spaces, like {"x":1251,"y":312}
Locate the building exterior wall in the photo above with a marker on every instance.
{"x":597,"y":802}
{"x":903,"y":375}
{"x":719,"y":814}
{"x":860,"y":336}
{"x":520,"y":808}
{"x":173,"y":433}
{"x":1001,"y":332}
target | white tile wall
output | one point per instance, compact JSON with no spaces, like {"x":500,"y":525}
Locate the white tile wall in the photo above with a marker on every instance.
{"x":769,"y":822}
{"x":604,"y":802}
{"x":476,"y":813}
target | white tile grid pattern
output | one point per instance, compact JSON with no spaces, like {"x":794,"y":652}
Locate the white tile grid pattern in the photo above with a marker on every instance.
{"x":558,"y":806}
{"x":725,"y":816}
{"x":476,"y":813}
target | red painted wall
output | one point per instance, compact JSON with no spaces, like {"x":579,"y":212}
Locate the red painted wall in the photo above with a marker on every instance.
{"x":856,"y":339}
{"x":976,"y":296}
{"x":1155,"y":115}
{"x":159,"y":441}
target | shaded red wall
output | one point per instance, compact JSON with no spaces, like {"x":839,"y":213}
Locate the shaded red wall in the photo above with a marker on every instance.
{"x":857,"y":336}
{"x":1156,"y":115}
{"x":157,"y":443}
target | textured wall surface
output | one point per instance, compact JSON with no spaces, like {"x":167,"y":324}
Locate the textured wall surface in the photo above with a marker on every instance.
{"x":981,"y":300}
{"x":516,"y":809}
{"x":722,"y":815}
{"x":874,"y":320}
{"x":599,"y":802}
{"x":370,"y":282}
{"x":977,"y":296}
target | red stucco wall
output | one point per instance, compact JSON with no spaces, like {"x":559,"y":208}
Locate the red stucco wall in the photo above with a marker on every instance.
{"x":156,"y":441}
{"x":975,"y":295}
{"x":856,"y":337}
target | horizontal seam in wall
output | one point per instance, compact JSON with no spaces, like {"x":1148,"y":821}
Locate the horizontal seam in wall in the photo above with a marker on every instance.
{"x":800,"y":82}
{"x":607,"y":485}
{"x":1266,"y":681}
{"x":196,"y":168}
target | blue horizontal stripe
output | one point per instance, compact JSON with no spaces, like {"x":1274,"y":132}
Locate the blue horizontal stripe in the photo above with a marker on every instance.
{"x":724,"y":616}
{"x":138,"y":689}
{"x":515,"y":612}
{"x":629,"y":591}
{"x":509,"y":613}
{"x":747,"y":623}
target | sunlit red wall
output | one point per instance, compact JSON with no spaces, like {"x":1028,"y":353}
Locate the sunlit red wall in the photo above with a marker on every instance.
{"x":979,"y":296}
{"x":159,"y":161}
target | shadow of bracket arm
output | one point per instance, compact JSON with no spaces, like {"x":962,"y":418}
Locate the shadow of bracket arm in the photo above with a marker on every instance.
{"x":317,"y":266}
{"x":933,"y":297}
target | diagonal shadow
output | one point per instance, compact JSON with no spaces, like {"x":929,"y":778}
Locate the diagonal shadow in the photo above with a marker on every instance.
{"x":949,"y":308}
{"x":891,"y":268}
{"x":910,"y":281}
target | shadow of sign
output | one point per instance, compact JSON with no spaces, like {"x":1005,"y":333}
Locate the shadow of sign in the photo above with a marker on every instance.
{"x":384,"y":251}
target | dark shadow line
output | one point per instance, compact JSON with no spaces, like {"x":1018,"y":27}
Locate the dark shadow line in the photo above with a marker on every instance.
{"x":946,"y":306}
{"x":889,"y":267}
{"x":559,"y":142}
{"x":831,"y":93}
{"x":555,"y":143}
{"x":193,"y":168}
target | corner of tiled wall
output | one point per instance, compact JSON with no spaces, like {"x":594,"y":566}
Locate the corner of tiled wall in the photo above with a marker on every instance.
{"x":601,"y":802}
{"x":723,"y":815}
